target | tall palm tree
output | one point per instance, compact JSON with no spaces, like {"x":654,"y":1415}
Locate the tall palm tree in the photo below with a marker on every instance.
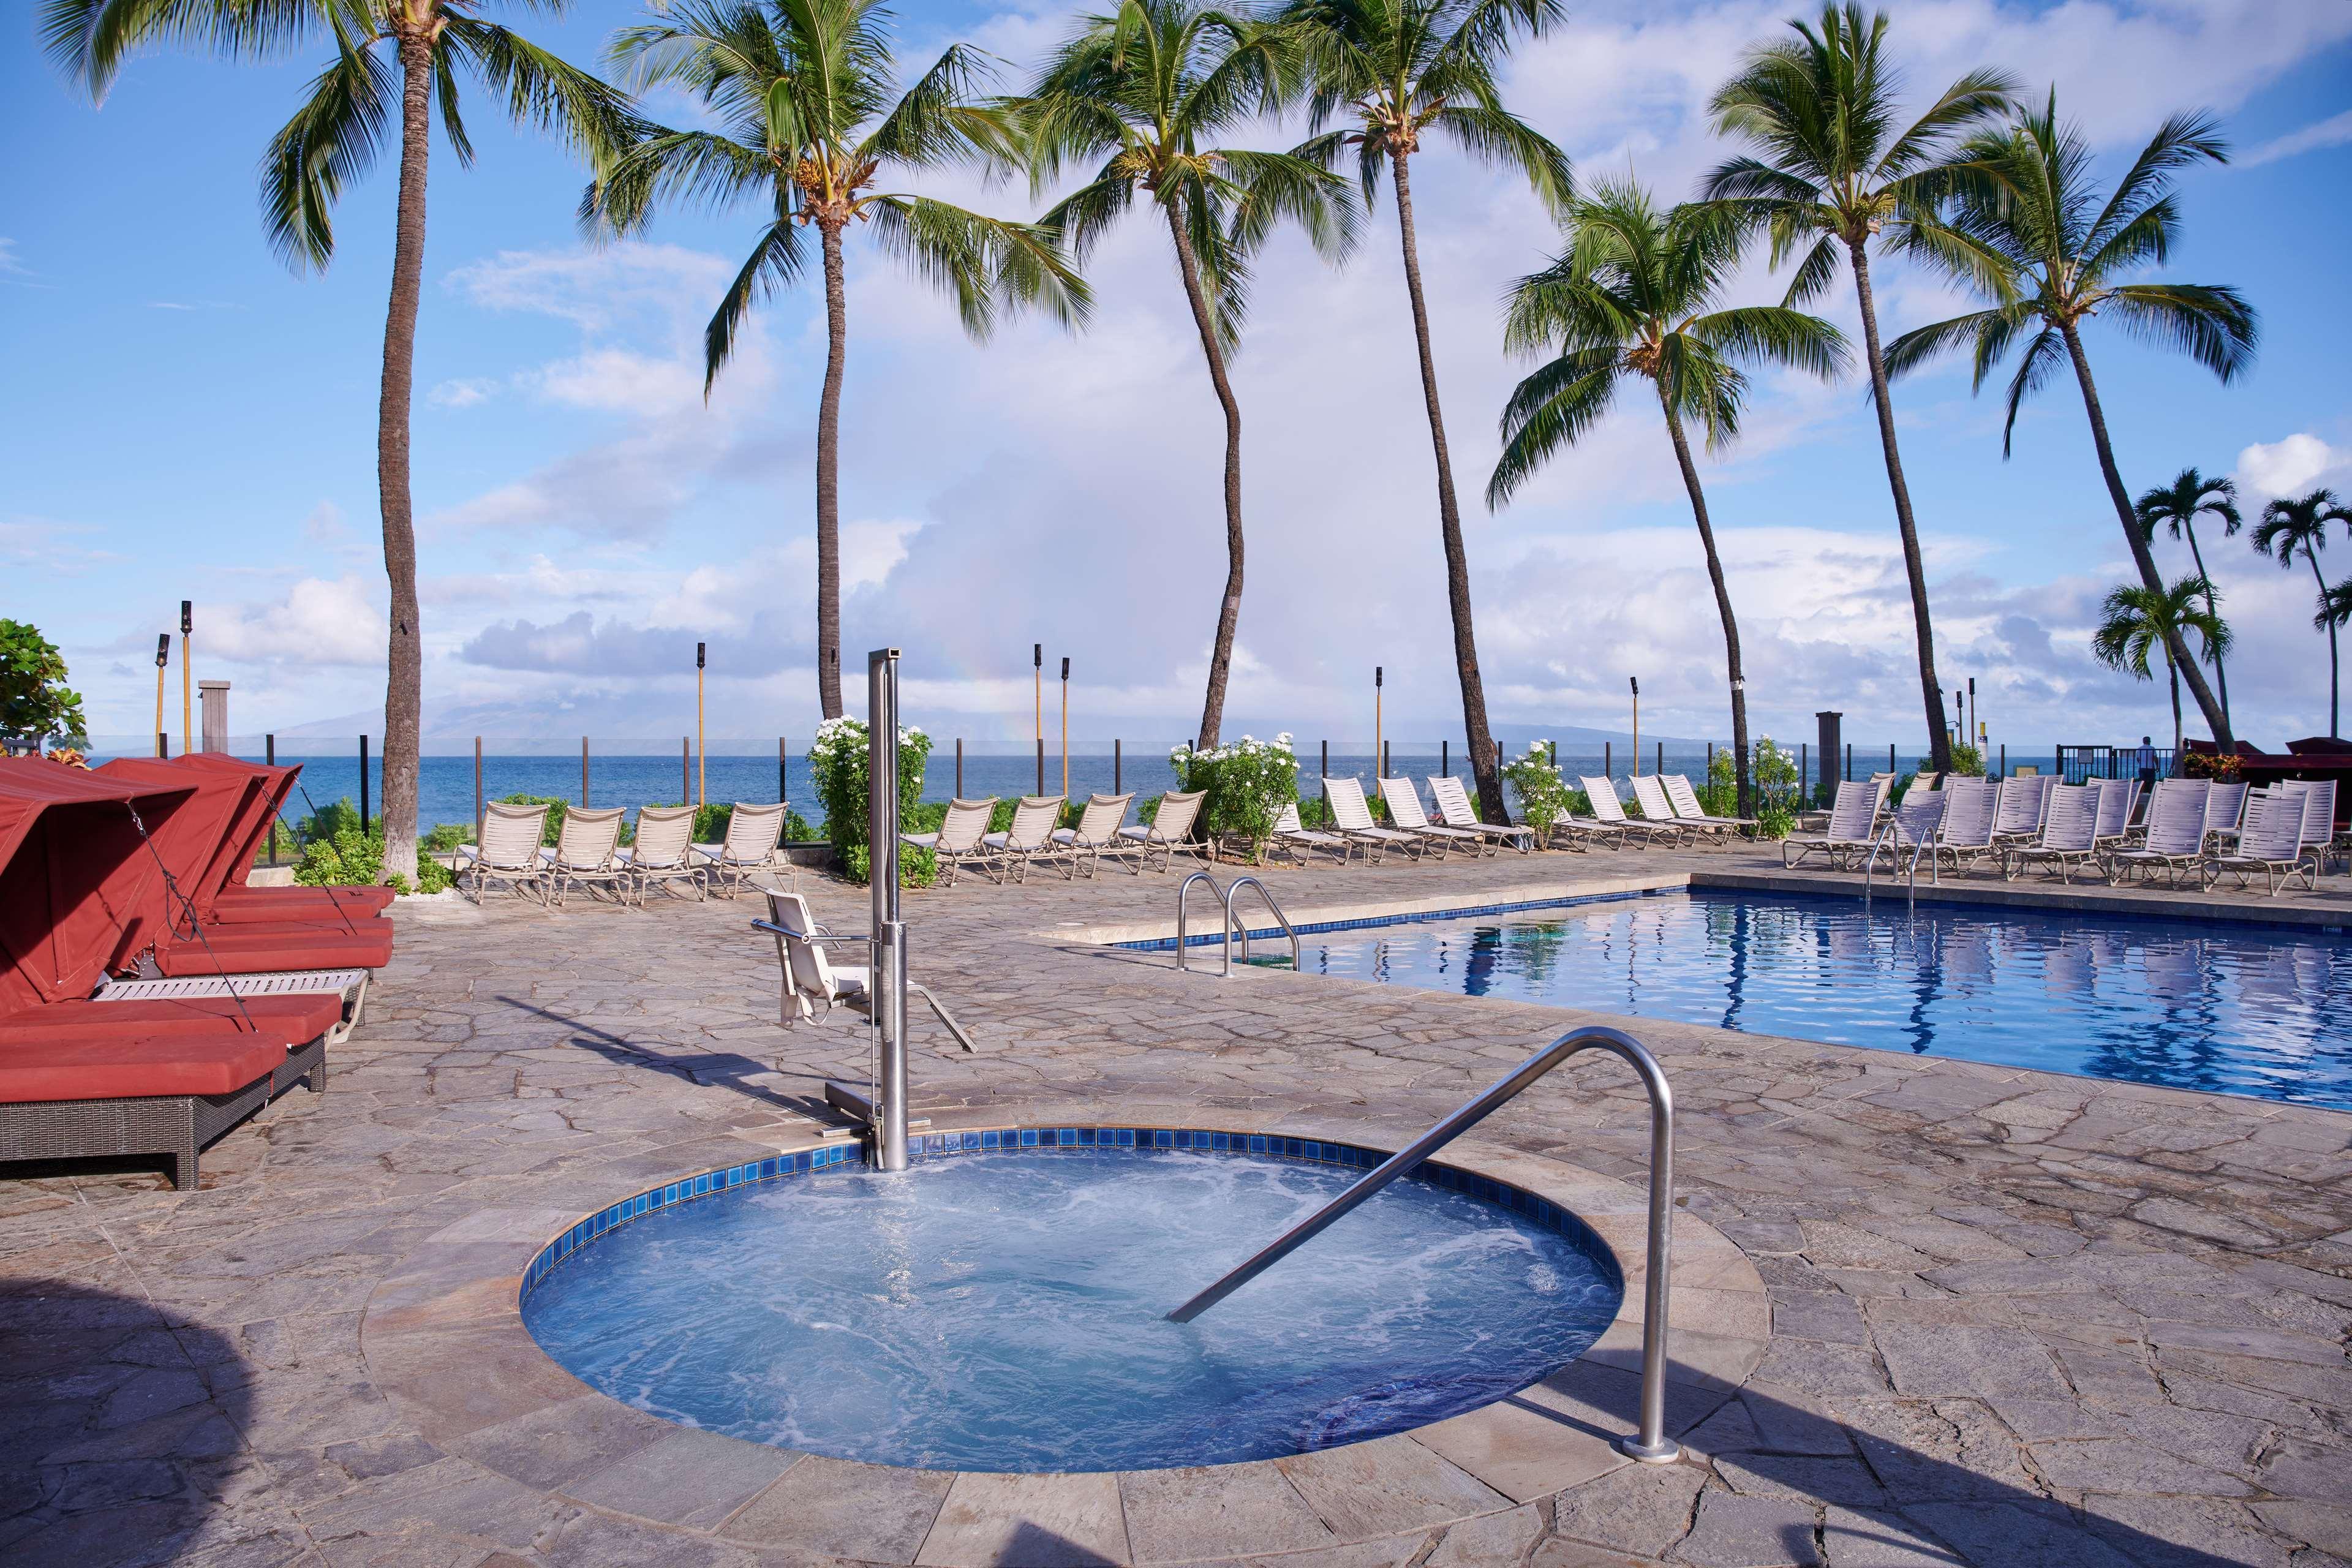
{"x":1404,"y":70}
{"x":1836,"y":175}
{"x":2133,"y":620}
{"x":2335,"y":612}
{"x":2288,"y":526}
{"x":1636,"y":296}
{"x":332,"y":140}
{"x":2025,"y":225}
{"x":1148,"y":89}
{"x":810,"y":118}
{"x":2177,"y":507}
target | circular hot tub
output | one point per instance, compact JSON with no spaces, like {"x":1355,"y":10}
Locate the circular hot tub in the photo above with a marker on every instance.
{"x":1004,"y":1308}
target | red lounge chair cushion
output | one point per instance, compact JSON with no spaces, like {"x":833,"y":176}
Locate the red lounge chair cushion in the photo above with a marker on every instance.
{"x":344,"y":924}
{"x":305,"y":898}
{"x":266,"y":954}
{"x":289,"y":1020}
{"x":237,"y":916}
{"x":132,"y":1067}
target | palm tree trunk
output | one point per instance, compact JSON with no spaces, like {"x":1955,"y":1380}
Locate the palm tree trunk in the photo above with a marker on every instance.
{"x":828,"y":475}
{"x":1449,"y":524}
{"x":2174,"y":670}
{"x":1229,"y":613}
{"x":403,"y":692}
{"x":2334,"y":669}
{"x":2220,"y":676}
{"x":1722,"y":601}
{"x":1939,"y":741}
{"x":2142,"y":557}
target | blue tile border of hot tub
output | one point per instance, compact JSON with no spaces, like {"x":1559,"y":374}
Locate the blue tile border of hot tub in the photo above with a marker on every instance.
{"x":1540,"y":1212}
{"x":1419,"y":917}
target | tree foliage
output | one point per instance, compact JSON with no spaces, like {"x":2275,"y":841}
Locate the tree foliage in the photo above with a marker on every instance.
{"x":36,"y":703}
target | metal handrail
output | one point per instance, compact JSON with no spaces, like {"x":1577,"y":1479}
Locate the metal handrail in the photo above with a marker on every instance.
{"x":1225,"y":897}
{"x":1233,"y":922}
{"x":1911,"y":873}
{"x":1650,"y":1445}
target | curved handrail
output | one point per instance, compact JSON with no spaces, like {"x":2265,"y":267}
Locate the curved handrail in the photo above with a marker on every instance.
{"x":1182,"y":890}
{"x":1650,"y":1445}
{"x":1233,"y":920}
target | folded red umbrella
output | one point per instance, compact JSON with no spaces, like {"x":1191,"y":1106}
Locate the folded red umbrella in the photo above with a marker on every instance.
{"x":75,"y":874}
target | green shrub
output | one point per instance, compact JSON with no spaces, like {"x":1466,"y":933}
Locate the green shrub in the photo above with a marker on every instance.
{"x":1248,"y":784}
{"x":1146,"y":810}
{"x":1967,"y":763}
{"x":350,"y":858}
{"x":837,"y":760}
{"x":1719,"y":795}
{"x":1543,"y":794}
{"x":446,"y":837}
{"x":1773,"y":778}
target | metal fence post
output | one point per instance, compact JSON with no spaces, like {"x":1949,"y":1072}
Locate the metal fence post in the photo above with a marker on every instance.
{"x":1444,"y":762}
{"x":478,"y":791}
{"x":270,"y":755}
{"x":783,"y":776}
{"x":686,"y":770}
{"x":1608,"y":760}
{"x":363,"y":785}
{"x":959,"y":767}
{"x":584,"y":773}
{"x":1118,"y":768}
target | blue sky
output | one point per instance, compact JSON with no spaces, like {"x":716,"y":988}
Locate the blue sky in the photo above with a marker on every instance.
{"x":186,"y":418}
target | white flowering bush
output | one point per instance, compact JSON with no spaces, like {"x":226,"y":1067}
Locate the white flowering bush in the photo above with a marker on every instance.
{"x":1249,"y":783}
{"x":1543,"y":795}
{"x":839,"y":762}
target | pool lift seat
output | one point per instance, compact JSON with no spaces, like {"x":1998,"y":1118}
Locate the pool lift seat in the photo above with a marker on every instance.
{"x":811,"y":981}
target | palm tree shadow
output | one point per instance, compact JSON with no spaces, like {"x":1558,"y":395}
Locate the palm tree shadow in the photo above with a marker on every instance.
{"x":122,"y":1426}
{"x":1886,"y":1501}
{"x":716,"y":1069}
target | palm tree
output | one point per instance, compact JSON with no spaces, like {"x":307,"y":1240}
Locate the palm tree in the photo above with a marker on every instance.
{"x":2133,"y":620}
{"x":2178,"y":505}
{"x":332,"y":139}
{"x":1404,"y":68}
{"x":810,"y":118}
{"x":1836,"y":174}
{"x":1635,"y":294}
{"x":2335,"y":611}
{"x":1147,"y":89}
{"x":2288,"y":526}
{"x":2027,"y":226}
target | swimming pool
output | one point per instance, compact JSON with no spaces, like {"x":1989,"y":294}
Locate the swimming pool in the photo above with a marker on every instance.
{"x":1005,"y":1309}
{"x":2189,"y":1004}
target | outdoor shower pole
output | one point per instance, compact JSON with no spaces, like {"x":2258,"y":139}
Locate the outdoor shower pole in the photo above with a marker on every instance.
{"x":162,"y":658}
{"x":187,"y":703}
{"x":889,"y":974}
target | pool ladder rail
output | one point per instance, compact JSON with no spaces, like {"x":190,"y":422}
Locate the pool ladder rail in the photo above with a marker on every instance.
{"x":1917,"y":822}
{"x":1225,"y":897}
{"x":1650,"y":1445}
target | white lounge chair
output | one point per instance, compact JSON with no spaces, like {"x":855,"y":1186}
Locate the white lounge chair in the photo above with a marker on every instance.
{"x":1097,"y":830}
{"x":1659,"y":813}
{"x":1609,"y":812}
{"x":1353,"y":817}
{"x":1169,"y":831}
{"x":960,"y":841}
{"x":1853,"y":812}
{"x":585,"y":852}
{"x":1909,"y":835}
{"x":2224,"y":804}
{"x":2018,"y":815}
{"x":811,"y":981}
{"x":2174,"y":841}
{"x":2271,"y":842}
{"x":2068,"y":841}
{"x":1294,"y":838}
{"x":2118,"y":799}
{"x":1964,"y":837}
{"x":1685,"y":802}
{"x":1404,"y":810}
{"x":1455,"y":810}
{"x":664,"y":851}
{"x":1030,"y":837}
{"x":2318,"y":797}
{"x":753,"y":844}
{"x":509,"y":852}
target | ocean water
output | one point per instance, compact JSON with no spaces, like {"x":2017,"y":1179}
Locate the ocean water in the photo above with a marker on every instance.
{"x":1007,"y":1312}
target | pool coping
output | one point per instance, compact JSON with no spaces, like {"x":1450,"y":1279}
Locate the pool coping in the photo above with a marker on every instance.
{"x":444,"y":1337}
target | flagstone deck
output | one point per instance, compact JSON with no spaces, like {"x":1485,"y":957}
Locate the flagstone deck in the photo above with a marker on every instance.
{"x":2013,"y":1317}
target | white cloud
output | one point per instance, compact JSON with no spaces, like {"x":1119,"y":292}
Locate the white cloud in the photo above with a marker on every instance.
{"x":9,"y":266}
{"x":325,"y":526}
{"x":2332,"y":132}
{"x":2289,"y":466}
{"x":463,"y":392}
{"x":319,"y":622}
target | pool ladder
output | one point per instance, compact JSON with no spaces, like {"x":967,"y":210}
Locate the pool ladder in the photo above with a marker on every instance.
{"x":1225,"y":897}
{"x":1919,"y":826}
{"x":1650,"y":1445}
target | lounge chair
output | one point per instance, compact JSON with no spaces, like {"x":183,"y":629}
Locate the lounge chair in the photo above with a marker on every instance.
{"x":2069,"y":838}
{"x":1659,"y":813}
{"x":348,"y":987}
{"x":1455,"y":810}
{"x":1353,"y":817}
{"x":1169,"y":830}
{"x":1687,"y":807}
{"x":663,"y":852}
{"x":2318,"y":797}
{"x":1031,"y":836}
{"x":1964,"y":837}
{"x":1294,"y":838}
{"x":1909,"y":833}
{"x":2175,"y":840}
{"x":754,"y":843}
{"x":2118,"y":800}
{"x":2018,"y":813}
{"x":2272,"y":843}
{"x":1609,"y":812}
{"x":960,"y":840}
{"x":586,"y":852}
{"x":2224,"y":804}
{"x":1098,"y":829}
{"x":1853,"y":819}
{"x":1406,"y":814}
{"x":811,"y":981}
{"x":509,"y":852}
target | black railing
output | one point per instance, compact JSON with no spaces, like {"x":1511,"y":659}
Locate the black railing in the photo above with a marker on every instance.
{"x":2079,"y":764}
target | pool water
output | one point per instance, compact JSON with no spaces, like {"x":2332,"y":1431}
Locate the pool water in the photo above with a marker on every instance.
{"x":2190,"y":1005}
{"x":1006,"y":1311}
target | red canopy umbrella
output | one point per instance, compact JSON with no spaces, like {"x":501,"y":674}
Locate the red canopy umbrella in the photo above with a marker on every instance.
{"x":188,"y":844}
{"x":230,"y":899}
{"x":265,"y":795}
{"x":75,"y":875}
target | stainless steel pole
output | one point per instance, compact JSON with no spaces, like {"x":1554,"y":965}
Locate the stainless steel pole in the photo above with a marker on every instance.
{"x":889,"y":932}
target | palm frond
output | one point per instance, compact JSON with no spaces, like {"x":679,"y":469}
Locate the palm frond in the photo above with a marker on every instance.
{"x":698,"y":167}
{"x":990,"y":265}
{"x":1279,"y":187}
{"x":2180,"y":141}
{"x":937,"y":123}
{"x":1498,"y":137}
{"x":592,"y":117}
{"x":775,"y":263}
{"x":1549,"y":411}
{"x":1773,"y":335}
{"x":90,"y":40}
{"x":2210,"y":323}
{"x":2033,"y":371}
{"x":332,"y":139}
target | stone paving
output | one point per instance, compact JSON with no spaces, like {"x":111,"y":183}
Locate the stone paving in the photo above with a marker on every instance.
{"x":2013,"y":1317}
